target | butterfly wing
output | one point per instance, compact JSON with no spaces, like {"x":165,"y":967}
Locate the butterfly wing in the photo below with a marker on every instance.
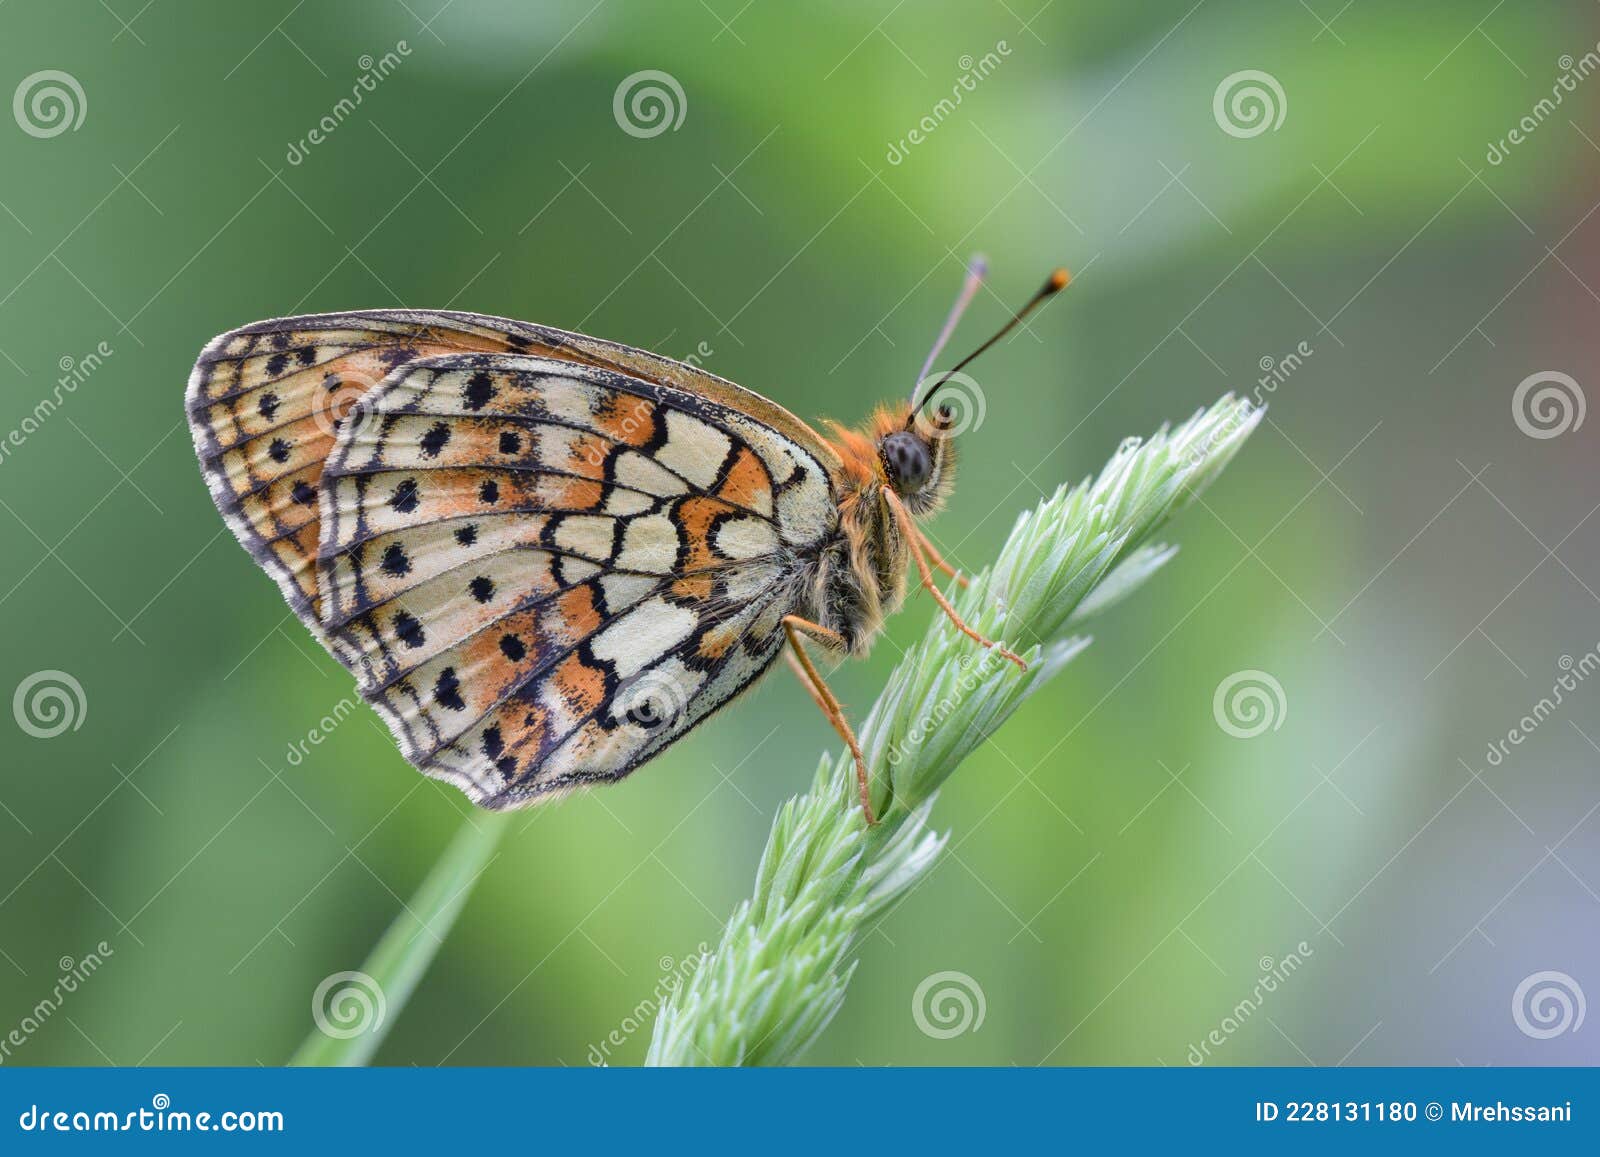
{"x":544,"y":562}
{"x":543,"y":572}
{"x":265,"y":404}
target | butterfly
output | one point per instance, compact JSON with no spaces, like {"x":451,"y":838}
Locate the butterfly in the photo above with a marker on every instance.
{"x":546,"y":557}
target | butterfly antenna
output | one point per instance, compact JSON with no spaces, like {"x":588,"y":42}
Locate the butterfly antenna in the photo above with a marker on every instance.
{"x":1057,"y":282}
{"x":977,"y":269}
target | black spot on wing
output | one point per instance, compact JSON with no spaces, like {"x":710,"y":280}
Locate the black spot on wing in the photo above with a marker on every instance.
{"x":408,"y":630}
{"x":435,"y":439}
{"x":395,"y":561}
{"x":479,"y":389}
{"x":447,"y":691}
{"x":404,"y":498}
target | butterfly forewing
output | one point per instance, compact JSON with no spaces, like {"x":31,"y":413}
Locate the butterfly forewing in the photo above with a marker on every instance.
{"x":543,"y":568}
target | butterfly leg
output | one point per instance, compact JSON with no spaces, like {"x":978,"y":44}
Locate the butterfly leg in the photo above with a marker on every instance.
{"x":805,"y":681}
{"x":794,"y":626}
{"x":903,"y":516}
{"x":937,"y":559}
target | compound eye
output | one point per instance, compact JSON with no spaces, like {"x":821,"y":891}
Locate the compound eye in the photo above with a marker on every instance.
{"x":906,"y":459}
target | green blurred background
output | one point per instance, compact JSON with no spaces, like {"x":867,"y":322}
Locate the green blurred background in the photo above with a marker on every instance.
{"x":1391,"y":547}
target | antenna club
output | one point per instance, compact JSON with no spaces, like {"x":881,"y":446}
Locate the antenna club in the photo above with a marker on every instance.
{"x":1058,"y":281}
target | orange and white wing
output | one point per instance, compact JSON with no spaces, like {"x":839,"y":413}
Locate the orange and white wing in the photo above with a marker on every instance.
{"x":266,"y":401}
{"x":544,"y":572}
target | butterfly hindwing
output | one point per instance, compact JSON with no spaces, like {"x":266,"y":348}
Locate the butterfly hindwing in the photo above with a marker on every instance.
{"x":545,"y":571}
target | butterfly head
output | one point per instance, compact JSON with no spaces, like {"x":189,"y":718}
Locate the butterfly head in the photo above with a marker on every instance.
{"x":917,"y":456}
